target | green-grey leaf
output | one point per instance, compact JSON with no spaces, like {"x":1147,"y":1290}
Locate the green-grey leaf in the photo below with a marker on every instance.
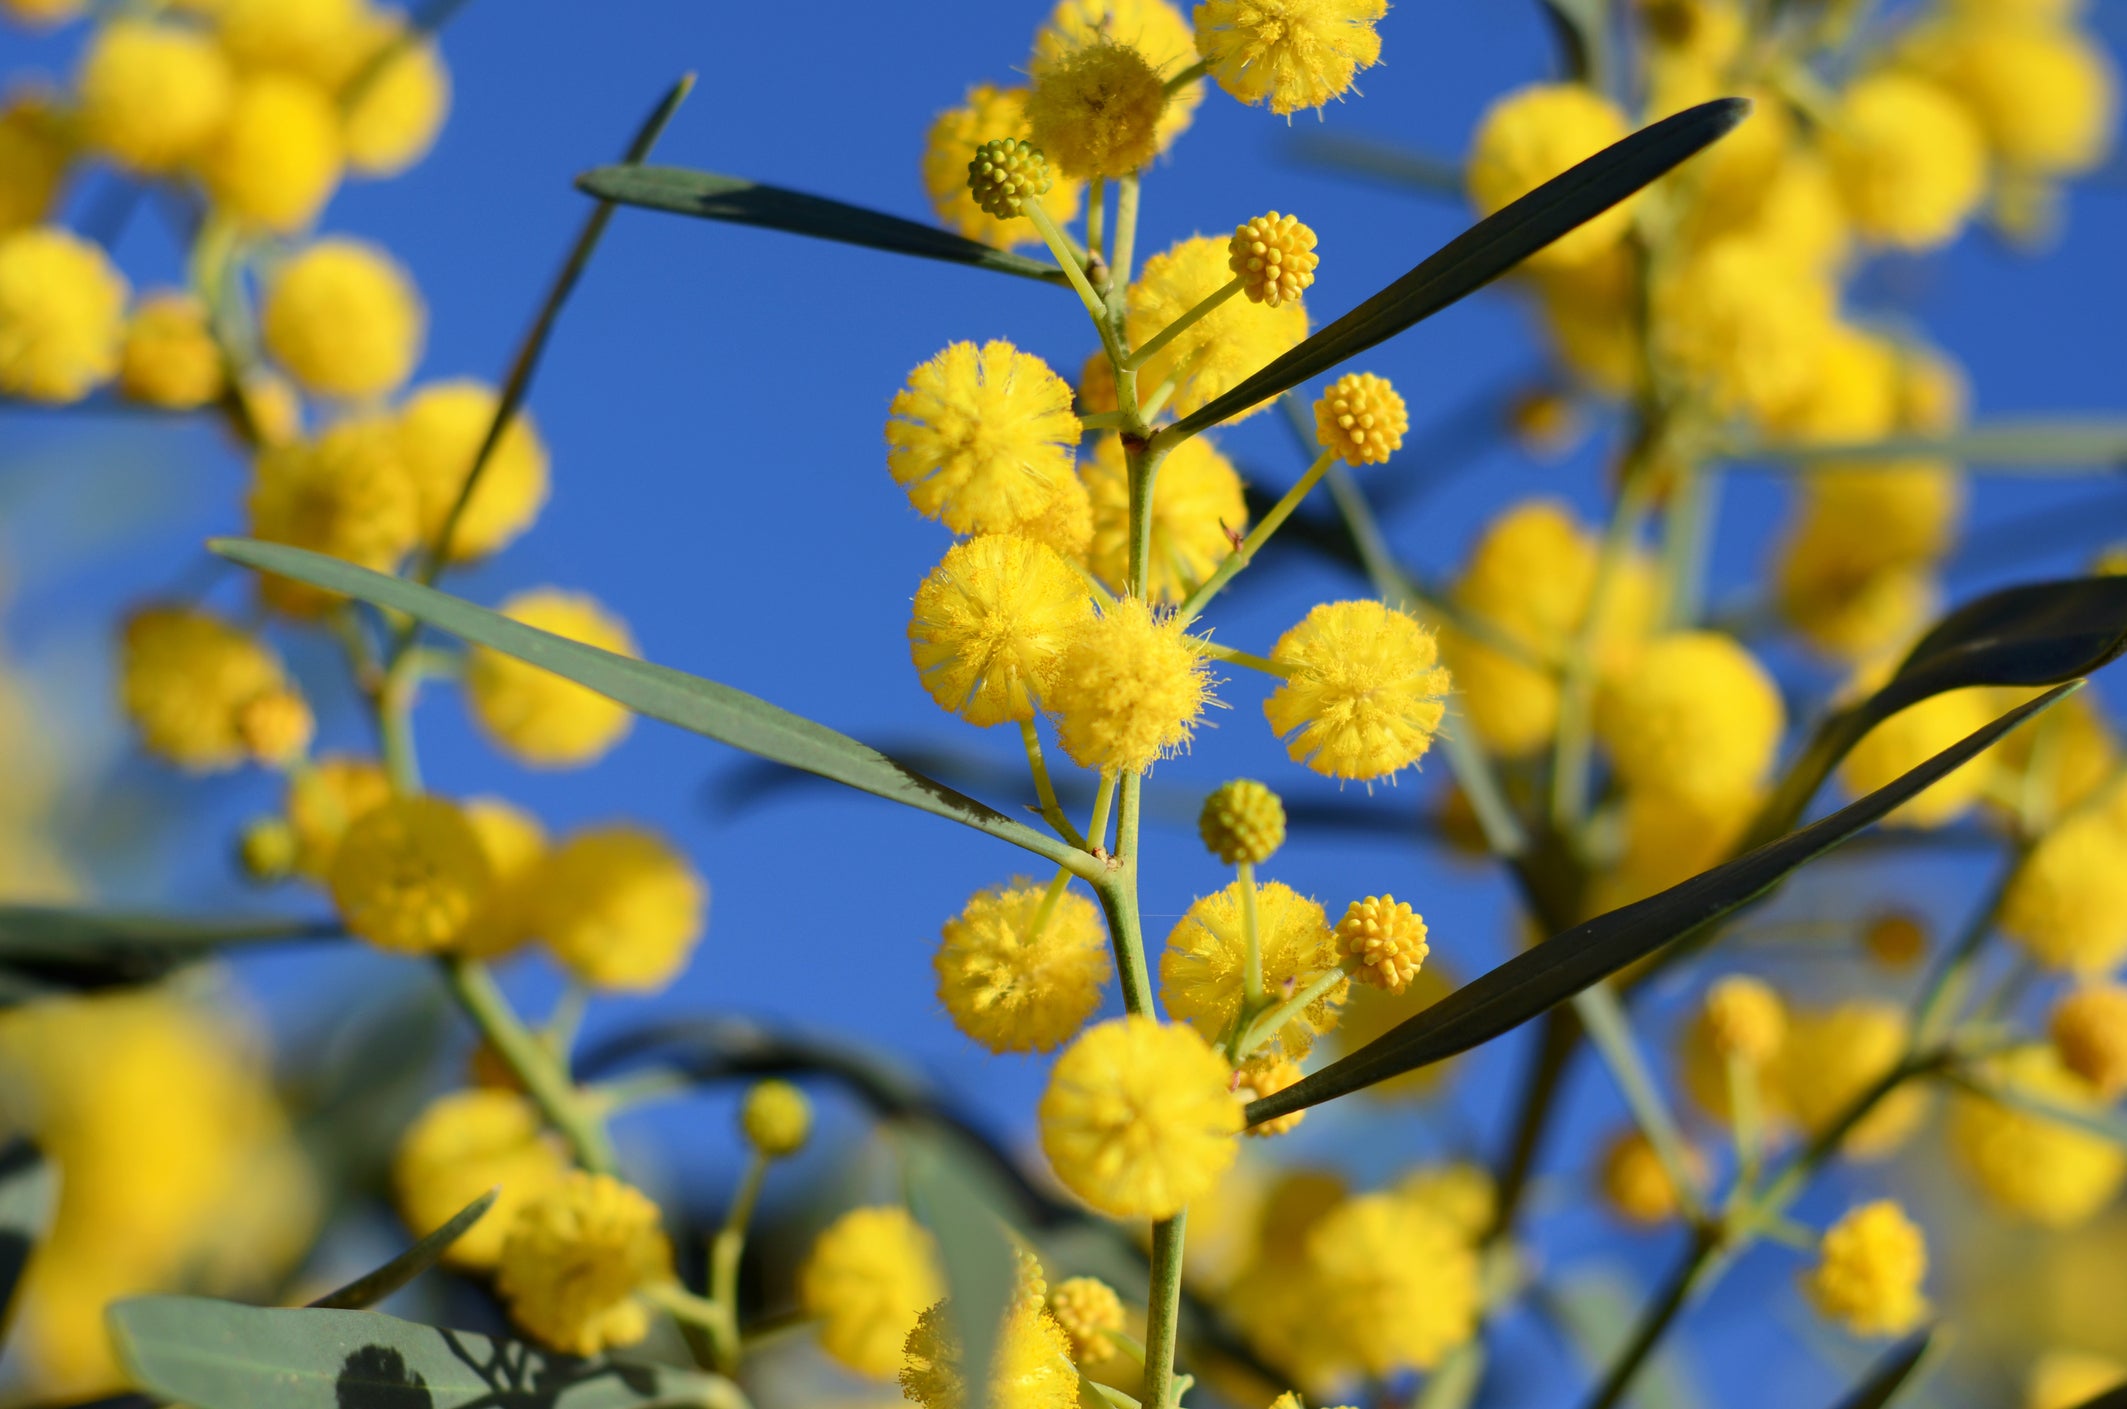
{"x":61,"y":948}
{"x":1889,"y":1375}
{"x":741,"y":202}
{"x":963,"y":1211}
{"x":373,"y":1287}
{"x":2067,"y":445}
{"x":1361,"y":156}
{"x":703,"y":706}
{"x":1555,"y":970}
{"x":219,"y":1355}
{"x":1483,"y":252}
{"x":29,"y":1192}
{"x":2037,"y":634}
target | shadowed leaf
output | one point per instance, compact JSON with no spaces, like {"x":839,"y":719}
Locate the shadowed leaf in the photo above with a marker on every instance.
{"x":703,"y":706}
{"x":741,"y":202}
{"x":1483,"y":252}
{"x":219,"y":1355}
{"x":961,"y":1205}
{"x":1555,"y":970}
{"x":373,"y":1287}
{"x":29,"y":1192}
{"x":1889,"y":1375}
{"x":2033,"y":635}
{"x":50,"y":947}
{"x":2067,"y":446}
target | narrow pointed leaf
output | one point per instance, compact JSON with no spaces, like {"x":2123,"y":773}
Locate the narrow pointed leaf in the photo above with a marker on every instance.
{"x":1555,"y":970}
{"x":2066,"y":445}
{"x":1483,"y":252}
{"x":2032,"y":635}
{"x":734,"y":199}
{"x":961,"y":1205}
{"x":2110,"y":1399}
{"x":373,"y":1287}
{"x":1889,"y":1375}
{"x":703,"y":706}
{"x":29,"y":1192}
{"x":54,"y":947}
{"x":219,"y":1355}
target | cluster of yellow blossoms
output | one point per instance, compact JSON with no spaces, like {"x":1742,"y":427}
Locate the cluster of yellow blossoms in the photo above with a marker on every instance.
{"x":1093,"y":522}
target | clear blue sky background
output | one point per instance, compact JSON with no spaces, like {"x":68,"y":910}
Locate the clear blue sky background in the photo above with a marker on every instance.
{"x":714,"y":400}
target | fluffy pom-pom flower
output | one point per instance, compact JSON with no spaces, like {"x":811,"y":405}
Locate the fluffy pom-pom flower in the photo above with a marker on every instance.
{"x":1019,"y":974}
{"x":991,"y":624}
{"x":1363,"y":693}
{"x":1139,"y":1117}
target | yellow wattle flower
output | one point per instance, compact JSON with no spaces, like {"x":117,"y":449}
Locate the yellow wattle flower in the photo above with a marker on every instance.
{"x":1364,"y":691}
{"x":870,"y":1275}
{"x":1096,"y":109}
{"x":277,"y":159}
{"x":460,"y":1146}
{"x":1910,"y":161}
{"x":411,"y":876}
{"x":1533,"y":134}
{"x":1869,"y":1271}
{"x":1015,"y":979}
{"x":1218,"y":351}
{"x":1198,"y":509}
{"x":62,"y":315}
{"x":576,"y":1259}
{"x":441,"y":429}
{"x":1692,"y":713}
{"x":344,"y":319}
{"x":1154,"y":28}
{"x":990,"y":625}
{"x":1128,"y":690}
{"x":1139,"y":1117}
{"x":1201,"y":969}
{"x":981,"y":438}
{"x":185,"y":678}
{"x":151,"y":95}
{"x":169,"y":358}
{"x":621,"y":909}
{"x":346,"y":493}
{"x":536,"y":716}
{"x":988,"y":114}
{"x":1291,"y":54}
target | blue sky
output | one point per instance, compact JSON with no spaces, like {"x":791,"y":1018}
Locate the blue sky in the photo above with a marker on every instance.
{"x":714,"y":400}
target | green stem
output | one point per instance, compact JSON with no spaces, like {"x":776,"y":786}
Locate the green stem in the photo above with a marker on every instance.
{"x":1205,"y":306}
{"x":1186,"y":77}
{"x":1051,"y":809}
{"x":1097,"y":825}
{"x":1067,"y":260}
{"x":1257,"y":537}
{"x":1576,"y":705}
{"x":1060,"y":882}
{"x":1163,"y":1311}
{"x":1611,"y":1031}
{"x":1143,"y":459}
{"x":1472,"y":770}
{"x":1243,"y":658}
{"x":1686,"y":539}
{"x":534,"y":1066}
{"x":1656,"y":1320}
{"x":1126,"y":196}
{"x":519,"y":382}
{"x":726,"y":1250}
{"x":1271,"y":1021}
{"x":1096,"y":233}
{"x":1951,"y":982}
